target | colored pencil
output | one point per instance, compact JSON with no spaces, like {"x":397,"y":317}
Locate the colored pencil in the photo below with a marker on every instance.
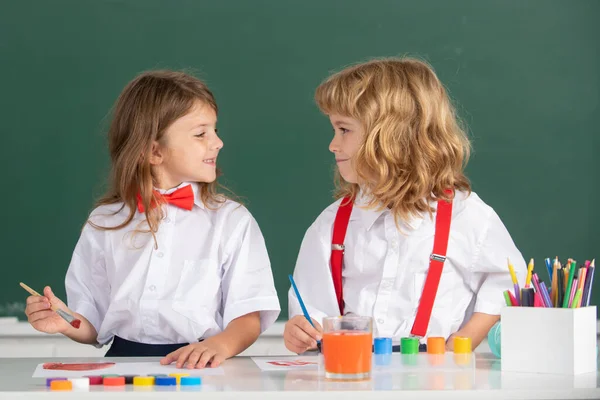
{"x":576,"y":299}
{"x":554,"y":284}
{"x":591,"y":282}
{"x":515,"y":282}
{"x":545,"y":294}
{"x":529,"y":273}
{"x":507,"y":298}
{"x":582,"y":274}
{"x":567,"y":298}
{"x":572,"y":294}
{"x":549,"y":268}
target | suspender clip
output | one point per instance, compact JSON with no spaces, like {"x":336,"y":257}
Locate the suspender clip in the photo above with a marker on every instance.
{"x":338,"y":247}
{"x":437,"y":257}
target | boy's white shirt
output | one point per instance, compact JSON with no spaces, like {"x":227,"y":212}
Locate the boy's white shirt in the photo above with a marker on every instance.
{"x":210,"y":267}
{"x":385,"y":267}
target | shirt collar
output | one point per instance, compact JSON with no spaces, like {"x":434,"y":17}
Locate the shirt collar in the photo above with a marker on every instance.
{"x":369,"y":216}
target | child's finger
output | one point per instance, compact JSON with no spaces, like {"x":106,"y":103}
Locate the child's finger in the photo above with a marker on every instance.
{"x":35,"y":307}
{"x":169,"y":358}
{"x":298,"y":345}
{"x":49,"y":294}
{"x":217,"y":360}
{"x":303,"y":337}
{"x":32,"y":318}
{"x":308,"y":329}
{"x":193,"y":358}
{"x":185,"y":353}
{"x":35,"y":299}
{"x":206,"y":357}
{"x":297,"y":349}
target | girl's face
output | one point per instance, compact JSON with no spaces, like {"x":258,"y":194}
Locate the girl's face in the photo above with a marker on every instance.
{"x":347,"y":138}
{"x":188,"y":150}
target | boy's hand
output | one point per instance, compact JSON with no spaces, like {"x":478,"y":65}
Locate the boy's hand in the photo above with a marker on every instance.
{"x":299,"y":335}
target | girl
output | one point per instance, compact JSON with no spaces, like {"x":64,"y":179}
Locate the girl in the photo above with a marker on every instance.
{"x":165,"y":266}
{"x":400,"y":154}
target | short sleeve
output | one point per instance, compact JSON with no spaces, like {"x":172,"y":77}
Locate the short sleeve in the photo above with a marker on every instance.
{"x":247,"y":283}
{"x":88,"y":292}
{"x":312,"y":276}
{"x":490,"y":276}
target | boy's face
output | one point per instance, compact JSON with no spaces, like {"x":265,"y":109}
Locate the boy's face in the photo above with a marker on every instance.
{"x":347,"y":138}
{"x":188,"y":152}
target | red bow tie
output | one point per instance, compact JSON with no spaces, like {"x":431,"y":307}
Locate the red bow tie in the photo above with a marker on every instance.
{"x":182,"y":198}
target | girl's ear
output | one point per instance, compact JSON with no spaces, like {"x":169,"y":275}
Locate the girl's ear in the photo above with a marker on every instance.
{"x":156,"y":154}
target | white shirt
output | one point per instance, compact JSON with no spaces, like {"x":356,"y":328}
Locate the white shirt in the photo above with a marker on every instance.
{"x":210,"y":267}
{"x":385,"y":268}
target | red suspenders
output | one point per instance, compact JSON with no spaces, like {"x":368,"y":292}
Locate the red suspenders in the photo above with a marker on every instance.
{"x":436,"y":260}
{"x":337,"y":248}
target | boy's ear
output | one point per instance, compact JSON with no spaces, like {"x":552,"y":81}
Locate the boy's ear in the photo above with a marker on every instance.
{"x":156,"y":154}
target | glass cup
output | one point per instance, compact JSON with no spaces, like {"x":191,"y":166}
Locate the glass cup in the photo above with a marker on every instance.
{"x":347,"y":347}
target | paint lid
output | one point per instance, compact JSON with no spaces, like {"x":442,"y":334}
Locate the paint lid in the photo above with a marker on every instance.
{"x":114,"y":381}
{"x":409,"y":345}
{"x":190,"y":380}
{"x":49,"y":380}
{"x":165,"y":381}
{"x":382,"y":345}
{"x":61,"y":385}
{"x":95,"y":380}
{"x":80,"y":383}
{"x":143,"y":381}
{"x":436,"y":345}
{"x":462,"y":345}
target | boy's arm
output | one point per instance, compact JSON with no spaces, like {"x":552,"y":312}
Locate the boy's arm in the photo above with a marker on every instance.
{"x":476,"y":328}
{"x":488,"y":277}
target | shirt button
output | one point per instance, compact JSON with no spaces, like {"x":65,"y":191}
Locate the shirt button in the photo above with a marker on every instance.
{"x":152,"y":288}
{"x":160,"y":254}
{"x":167,"y":220}
{"x":381,"y":321}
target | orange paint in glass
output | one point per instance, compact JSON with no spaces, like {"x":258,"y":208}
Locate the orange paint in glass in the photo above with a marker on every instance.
{"x":347,"y":352}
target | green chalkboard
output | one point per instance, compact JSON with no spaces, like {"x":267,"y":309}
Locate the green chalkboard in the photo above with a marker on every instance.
{"x":525,"y":76}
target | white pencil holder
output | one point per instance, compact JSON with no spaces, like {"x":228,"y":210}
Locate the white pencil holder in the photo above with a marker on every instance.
{"x":549,"y":340}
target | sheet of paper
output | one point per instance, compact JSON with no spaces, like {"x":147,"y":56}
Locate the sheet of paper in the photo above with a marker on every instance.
{"x":286,"y":363}
{"x":126,"y":368}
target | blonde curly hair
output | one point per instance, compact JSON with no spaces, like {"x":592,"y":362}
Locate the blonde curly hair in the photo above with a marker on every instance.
{"x":414,"y":148}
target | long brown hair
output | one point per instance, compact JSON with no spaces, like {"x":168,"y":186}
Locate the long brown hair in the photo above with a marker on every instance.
{"x":146,"y":107}
{"x":414,"y":147}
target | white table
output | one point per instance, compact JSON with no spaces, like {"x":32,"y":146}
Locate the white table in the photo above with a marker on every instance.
{"x":244,"y":381}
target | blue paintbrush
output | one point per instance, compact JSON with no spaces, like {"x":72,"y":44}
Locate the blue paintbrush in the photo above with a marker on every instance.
{"x":304,"y":310}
